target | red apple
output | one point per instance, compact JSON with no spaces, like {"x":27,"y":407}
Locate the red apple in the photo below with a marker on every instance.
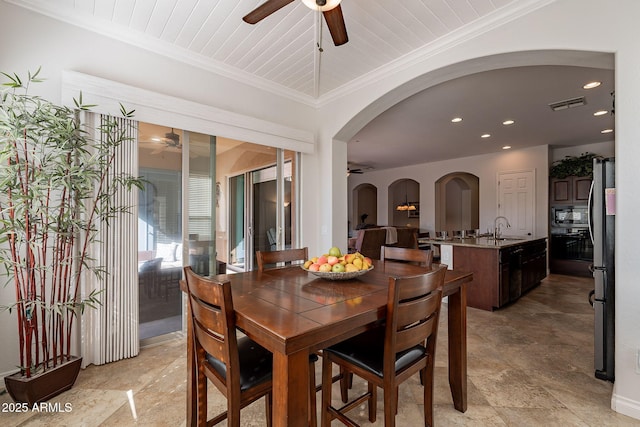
{"x":332,"y":259}
{"x":314,"y":267}
{"x":322,"y":259}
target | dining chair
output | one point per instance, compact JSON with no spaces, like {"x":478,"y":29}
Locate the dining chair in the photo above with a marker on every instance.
{"x":421,"y":257}
{"x":287,"y":256}
{"x":390,"y":354}
{"x":239,"y":367}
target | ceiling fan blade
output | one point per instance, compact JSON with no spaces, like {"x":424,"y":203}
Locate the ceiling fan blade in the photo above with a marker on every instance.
{"x":337,"y":28}
{"x":264,"y":10}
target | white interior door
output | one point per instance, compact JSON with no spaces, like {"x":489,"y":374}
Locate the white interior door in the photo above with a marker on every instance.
{"x":516,"y":196}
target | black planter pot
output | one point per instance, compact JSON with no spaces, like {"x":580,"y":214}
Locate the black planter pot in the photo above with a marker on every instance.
{"x":45,"y":385}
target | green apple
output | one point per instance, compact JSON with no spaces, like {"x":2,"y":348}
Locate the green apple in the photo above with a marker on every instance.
{"x":335,"y":251}
{"x":338,"y":268}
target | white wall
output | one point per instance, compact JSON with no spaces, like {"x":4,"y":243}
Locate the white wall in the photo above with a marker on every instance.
{"x":485,"y":167}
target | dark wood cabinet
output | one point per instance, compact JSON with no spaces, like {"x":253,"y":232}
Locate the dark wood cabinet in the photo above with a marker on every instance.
{"x":572,"y":190}
{"x":501,"y":275}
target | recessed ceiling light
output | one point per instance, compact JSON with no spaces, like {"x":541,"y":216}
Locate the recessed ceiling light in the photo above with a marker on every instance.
{"x":506,"y":147}
{"x":600,"y":113}
{"x":486,"y":135}
{"x":456,"y":120}
{"x":606,"y":131}
{"x":508,"y":122}
{"x":591,"y":85}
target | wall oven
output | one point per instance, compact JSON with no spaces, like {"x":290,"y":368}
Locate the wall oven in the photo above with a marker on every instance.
{"x":570,"y":246}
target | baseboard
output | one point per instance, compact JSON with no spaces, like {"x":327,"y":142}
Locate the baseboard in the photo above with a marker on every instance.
{"x":624,"y":406}
{"x":3,"y":389}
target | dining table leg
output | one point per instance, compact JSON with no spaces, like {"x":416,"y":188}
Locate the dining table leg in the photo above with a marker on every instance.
{"x":290,"y":389}
{"x":457,"y":329}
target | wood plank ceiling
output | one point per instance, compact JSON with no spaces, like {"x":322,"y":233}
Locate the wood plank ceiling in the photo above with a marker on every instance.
{"x":278,"y":53}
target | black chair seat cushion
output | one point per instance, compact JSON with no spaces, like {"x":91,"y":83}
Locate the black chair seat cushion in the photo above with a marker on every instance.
{"x":256,"y":363}
{"x":367,"y":351}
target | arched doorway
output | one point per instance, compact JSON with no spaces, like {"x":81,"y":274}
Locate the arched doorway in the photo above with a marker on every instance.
{"x":365,"y":206}
{"x":457,"y":204}
{"x":401,"y":192}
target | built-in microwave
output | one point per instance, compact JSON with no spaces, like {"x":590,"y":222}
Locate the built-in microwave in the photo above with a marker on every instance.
{"x":569,"y":216}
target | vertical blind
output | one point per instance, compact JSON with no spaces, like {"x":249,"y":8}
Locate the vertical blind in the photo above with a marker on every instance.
{"x":110,"y":332}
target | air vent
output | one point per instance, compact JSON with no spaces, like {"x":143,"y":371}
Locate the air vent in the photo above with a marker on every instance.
{"x":568,"y":103}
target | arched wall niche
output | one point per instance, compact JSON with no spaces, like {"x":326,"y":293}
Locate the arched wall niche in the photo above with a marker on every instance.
{"x":401,"y":191}
{"x":365,"y":202}
{"x":457,"y":202}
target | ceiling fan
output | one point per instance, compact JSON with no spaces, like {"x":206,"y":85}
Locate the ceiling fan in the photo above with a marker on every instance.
{"x":357,"y":169}
{"x":170,"y":142}
{"x":172,"y":139}
{"x":330,"y":9}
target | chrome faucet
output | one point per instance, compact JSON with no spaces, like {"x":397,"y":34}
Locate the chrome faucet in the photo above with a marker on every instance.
{"x":496,"y":226}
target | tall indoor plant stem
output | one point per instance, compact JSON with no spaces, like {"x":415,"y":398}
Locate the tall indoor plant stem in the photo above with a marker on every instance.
{"x":56,"y":189}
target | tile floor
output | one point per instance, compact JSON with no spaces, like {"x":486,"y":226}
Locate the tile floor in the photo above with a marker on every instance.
{"x":530,"y":364}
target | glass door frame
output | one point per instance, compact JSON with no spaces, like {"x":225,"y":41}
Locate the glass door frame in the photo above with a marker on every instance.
{"x":281,"y":222}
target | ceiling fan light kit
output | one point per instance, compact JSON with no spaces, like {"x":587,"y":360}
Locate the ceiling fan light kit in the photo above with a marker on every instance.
{"x":330,"y":9}
{"x":321,"y":5}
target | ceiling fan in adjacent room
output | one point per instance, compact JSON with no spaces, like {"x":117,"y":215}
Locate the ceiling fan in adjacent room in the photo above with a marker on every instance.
{"x":172,"y":139}
{"x":330,"y":9}
{"x":357,"y":169}
{"x":170,"y":142}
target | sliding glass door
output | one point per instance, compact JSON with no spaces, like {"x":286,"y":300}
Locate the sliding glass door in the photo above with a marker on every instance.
{"x":262,"y":210}
{"x":209,"y":203}
{"x":160,"y":220}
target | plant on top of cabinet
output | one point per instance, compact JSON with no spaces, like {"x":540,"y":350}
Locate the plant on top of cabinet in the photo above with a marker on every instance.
{"x":581,"y":165}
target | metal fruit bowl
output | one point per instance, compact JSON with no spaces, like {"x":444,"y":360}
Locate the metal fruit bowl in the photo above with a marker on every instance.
{"x":347,"y":275}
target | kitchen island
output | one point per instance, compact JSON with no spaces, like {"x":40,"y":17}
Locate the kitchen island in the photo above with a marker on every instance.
{"x":503,"y":269}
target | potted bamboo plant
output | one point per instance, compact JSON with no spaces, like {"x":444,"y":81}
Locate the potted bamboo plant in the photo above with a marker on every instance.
{"x":54,"y":191}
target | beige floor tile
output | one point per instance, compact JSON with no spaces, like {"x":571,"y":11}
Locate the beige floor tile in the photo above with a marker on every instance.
{"x":529,"y":364}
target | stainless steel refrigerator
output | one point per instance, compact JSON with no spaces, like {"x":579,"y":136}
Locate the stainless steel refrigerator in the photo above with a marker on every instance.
{"x":602,"y":210}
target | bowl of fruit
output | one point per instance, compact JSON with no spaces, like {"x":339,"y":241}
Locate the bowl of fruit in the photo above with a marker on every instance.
{"x":335,"y":266}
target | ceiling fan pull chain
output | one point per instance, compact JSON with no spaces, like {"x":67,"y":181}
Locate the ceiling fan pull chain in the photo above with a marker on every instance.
{"x":319,"y":15}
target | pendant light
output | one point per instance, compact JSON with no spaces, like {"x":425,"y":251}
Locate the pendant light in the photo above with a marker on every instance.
{"x":406,"y":206}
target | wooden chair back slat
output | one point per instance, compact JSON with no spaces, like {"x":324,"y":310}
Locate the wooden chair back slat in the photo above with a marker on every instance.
{"x":421,"y":257}
{"x":407,"y":338}
{"x":411,"y":312}
{"x":266,"y":259}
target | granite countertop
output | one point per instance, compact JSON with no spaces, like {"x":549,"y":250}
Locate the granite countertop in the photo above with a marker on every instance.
{"x":482,"y":242}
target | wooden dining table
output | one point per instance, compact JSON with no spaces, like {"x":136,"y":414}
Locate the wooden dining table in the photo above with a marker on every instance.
{"x":293,"y":313}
